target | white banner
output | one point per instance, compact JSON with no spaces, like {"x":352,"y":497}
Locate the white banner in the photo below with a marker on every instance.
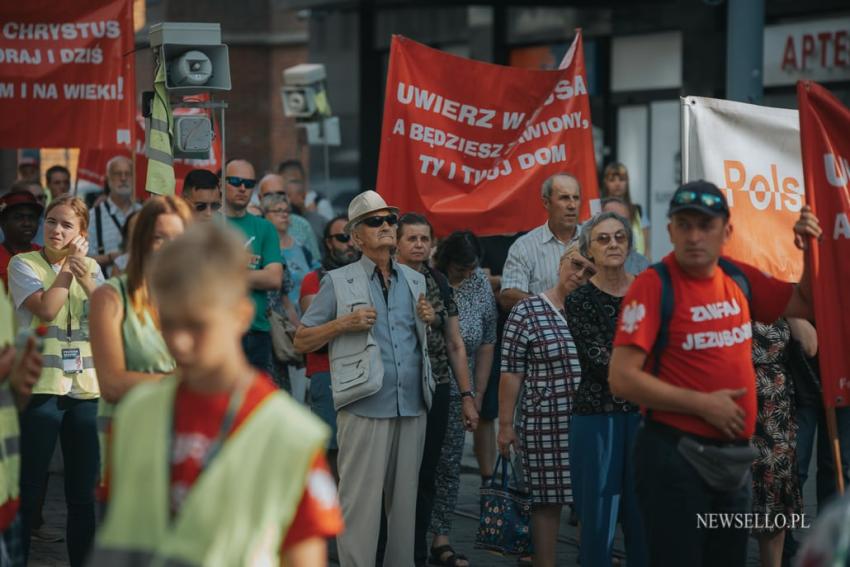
{"x":753,"y":153}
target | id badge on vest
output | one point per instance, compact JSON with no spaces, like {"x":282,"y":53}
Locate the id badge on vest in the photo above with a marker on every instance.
{"x":72,"y":361}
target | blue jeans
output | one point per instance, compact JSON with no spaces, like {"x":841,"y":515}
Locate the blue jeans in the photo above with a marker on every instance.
{"x":811,"y":422}
{"x":671,"y":494}
{"x":602,"y":473}
{"x":73,"y":422}
{"x":258,"y":350}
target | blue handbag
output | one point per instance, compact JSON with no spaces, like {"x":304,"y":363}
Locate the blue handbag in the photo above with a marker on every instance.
{"x":505,"y":513}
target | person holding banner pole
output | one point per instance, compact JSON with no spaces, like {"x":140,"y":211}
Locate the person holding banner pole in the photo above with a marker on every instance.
{"x":683,"y":351}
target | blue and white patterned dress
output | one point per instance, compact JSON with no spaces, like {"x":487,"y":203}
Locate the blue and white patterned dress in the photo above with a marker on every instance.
{"x":537,"y":344}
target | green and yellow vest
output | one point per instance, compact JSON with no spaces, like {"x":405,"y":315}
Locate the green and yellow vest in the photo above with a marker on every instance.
{"x":66,"y":331}
{"x":10,"y":452}
{"x":238,"y":510}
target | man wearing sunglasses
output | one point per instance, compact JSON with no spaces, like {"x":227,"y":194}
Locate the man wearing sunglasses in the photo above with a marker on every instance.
{"x":266,"y":264}
{"x":200,"y":189}
{"x":690,"y":369}
{"x":299,"y":227}
{"x":373,"y":314}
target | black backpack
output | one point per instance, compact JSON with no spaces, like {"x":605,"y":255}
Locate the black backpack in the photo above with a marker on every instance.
{"x":668,"y":301}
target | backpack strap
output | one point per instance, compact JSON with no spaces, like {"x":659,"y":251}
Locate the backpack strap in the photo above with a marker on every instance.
{"x":738,"y":276}
{"x":98,"y":230}
{"x":667,"y":303}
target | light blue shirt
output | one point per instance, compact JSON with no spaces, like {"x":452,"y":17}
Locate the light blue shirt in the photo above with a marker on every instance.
{"x":395,"y":332}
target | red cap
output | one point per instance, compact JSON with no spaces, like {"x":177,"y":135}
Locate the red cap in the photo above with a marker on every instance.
{"x":19,"y":198}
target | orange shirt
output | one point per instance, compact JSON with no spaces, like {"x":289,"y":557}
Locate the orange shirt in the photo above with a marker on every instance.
{"x":710,"y":334}
{"x":197,"y":419}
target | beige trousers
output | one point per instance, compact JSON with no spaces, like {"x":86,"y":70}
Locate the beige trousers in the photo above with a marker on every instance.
{"x":378,"y":458}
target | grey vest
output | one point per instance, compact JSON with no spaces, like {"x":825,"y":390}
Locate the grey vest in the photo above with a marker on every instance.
{"x":357,"y":370}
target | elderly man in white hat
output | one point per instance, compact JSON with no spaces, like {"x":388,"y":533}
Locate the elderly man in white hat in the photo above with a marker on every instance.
{"x":374,"y":315}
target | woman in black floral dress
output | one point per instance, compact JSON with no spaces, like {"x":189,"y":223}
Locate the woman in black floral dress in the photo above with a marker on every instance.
{"x":776,"y":488}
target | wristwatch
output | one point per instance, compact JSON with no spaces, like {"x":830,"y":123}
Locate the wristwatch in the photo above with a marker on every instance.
{"x":468,"y":394}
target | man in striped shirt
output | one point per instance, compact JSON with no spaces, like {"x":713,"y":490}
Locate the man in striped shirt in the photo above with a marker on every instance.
{"x":532,"y":264}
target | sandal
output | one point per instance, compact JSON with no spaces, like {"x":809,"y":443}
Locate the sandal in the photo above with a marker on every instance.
{"x":439,"y":557}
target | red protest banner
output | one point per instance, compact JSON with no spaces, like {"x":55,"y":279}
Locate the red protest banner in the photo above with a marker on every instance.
{"x":91,"y":166}
{"x":824,"y":124}
{"x":469,"y":144}
{"x":67,"y":75}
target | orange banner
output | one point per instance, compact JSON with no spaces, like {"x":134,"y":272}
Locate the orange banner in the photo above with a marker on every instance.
{"x":67,"y":74}
{"x":824,"y":127}
{"x":469,"y":144}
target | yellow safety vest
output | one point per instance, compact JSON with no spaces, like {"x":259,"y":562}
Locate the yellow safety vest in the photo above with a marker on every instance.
{"x":237,"y":511}
{"x":10,"y":452}
{"x":65,"y":333}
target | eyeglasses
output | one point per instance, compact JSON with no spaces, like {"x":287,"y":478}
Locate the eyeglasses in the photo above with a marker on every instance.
{"x":341,"y":238}
{"x":278,"y":212}
{"x":583,"y":269}
{"x":713,"y":202}
{"x":605,"y":239}
{"x":201,"y":207}
{"x":378,"y":221}
{"x":275,"y":193}
{"x":237,"y":181}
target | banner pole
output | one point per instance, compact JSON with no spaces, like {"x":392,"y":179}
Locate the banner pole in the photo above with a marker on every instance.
{"x":835,"y":448}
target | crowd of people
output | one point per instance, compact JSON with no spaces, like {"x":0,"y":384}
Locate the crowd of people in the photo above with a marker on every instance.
{"x":206,"y":413}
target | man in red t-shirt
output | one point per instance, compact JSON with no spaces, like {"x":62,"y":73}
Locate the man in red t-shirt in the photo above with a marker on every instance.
{"x":701,"y":386}
{"x":20,"y":212}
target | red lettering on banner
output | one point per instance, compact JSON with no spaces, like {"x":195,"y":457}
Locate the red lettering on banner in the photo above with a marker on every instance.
{"x":840,"y":49}
{"x":825,"y":38}
{"x":789,"y":56}
{"x":824,"y":123}
{"x":474,"y":152}
{"x":808,"y":49}
{"x":70,"y":64}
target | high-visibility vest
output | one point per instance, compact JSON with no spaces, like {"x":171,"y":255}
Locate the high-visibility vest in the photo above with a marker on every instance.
{"x":238,"y":510}
{"x":10,"y":447}
{"x":71,"y":317}
{"x":10,"y":452}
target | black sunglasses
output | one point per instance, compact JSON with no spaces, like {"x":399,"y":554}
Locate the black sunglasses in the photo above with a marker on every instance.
{"x":713,"y":202}
{"x":237,"y":181}
{"x":343,"y":238}
{"x":201,"y":207}
{"x":378,"y":221}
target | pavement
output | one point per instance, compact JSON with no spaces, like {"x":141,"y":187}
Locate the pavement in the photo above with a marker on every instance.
{"x":463,"y":530}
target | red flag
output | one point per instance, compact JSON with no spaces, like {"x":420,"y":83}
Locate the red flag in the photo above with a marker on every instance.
{"x":67,"y":74}
{"x":824,"y":127}
{"x":469,"y":144}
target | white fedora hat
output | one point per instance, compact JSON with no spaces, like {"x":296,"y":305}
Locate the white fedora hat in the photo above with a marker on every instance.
{"x":363,"y":204}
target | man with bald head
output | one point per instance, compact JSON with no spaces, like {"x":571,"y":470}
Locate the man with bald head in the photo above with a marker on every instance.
{"x":107,"y":219}
{"x":299,"y":227}
{"x":266,"y":265}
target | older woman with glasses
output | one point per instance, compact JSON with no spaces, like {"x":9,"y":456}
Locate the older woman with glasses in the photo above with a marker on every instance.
{"x":298,"y":262}
{"x":603,"y":427}
{"x":540,"y":359}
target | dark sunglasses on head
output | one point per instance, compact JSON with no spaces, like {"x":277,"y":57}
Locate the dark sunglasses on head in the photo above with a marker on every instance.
{"x":713,"y":202}
{"x":237,"y":181}
{"x":342,"y":238}
{"x":201,"y":207}
{"x":604,"y":239}
{"x":378,"y":221}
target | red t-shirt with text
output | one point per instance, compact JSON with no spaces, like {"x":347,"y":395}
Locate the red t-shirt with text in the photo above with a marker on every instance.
{"x":316,"y":361}
{"x":709,"y":344}
{"x":197,"y":419}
